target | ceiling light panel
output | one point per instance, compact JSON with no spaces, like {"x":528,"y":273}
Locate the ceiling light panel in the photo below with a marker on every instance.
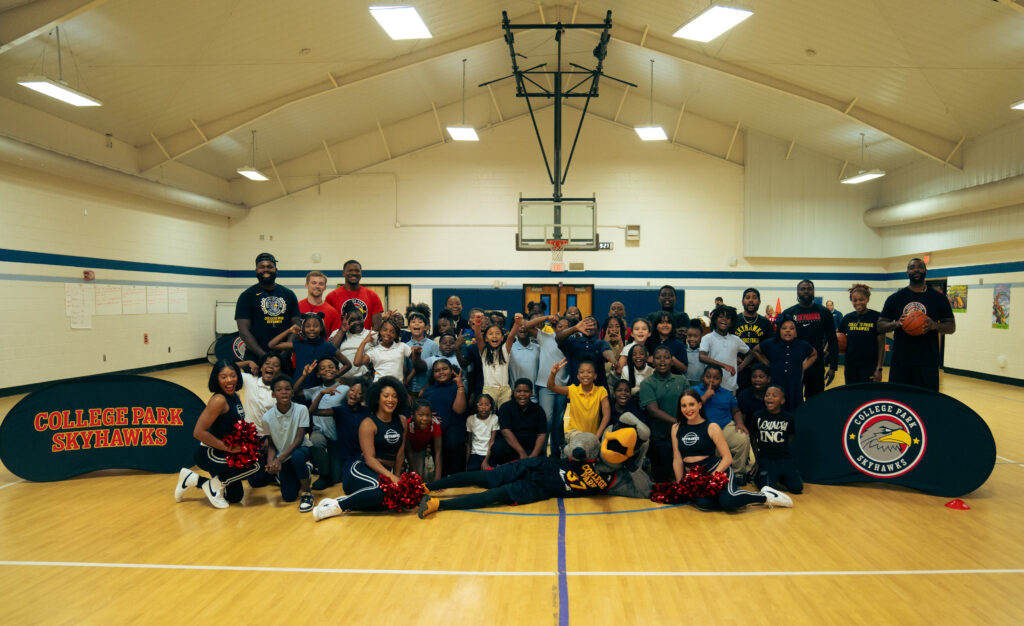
{"x":400,"y":22}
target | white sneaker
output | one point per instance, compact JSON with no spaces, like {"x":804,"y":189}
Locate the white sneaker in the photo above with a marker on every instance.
{"x":186,"y":478}
{"x":328,"y":507}
{"x":216,"y":498}
{"x":776,"y":498}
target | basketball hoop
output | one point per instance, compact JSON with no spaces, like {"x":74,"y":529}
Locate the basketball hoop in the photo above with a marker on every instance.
{"x":557,"y":247}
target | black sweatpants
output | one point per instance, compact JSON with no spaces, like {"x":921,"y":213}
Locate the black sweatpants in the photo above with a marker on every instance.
{"x":771,"y":471}
{"x":858,"y":373}
{"x":916,"y":375}
{"x":216,"y":463}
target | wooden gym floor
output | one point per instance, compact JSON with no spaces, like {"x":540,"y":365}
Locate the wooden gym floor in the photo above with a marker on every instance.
{"x":114,"y":547}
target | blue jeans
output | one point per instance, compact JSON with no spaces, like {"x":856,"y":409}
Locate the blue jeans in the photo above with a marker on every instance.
{"x":554,"y":407}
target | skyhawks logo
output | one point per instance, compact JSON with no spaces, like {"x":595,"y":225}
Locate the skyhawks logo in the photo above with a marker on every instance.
{"x":884,"y":438}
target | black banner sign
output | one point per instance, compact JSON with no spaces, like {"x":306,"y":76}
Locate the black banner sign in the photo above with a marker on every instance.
{"x":883,"y":432}
{"x":100,"y":422}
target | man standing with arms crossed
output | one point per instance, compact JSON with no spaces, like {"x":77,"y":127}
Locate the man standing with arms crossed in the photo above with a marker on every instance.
{"x":815,"y":325}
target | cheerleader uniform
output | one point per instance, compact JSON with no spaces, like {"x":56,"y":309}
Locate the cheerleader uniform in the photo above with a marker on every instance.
{"x":359,"y":481}
{"x":215,"y":461}
{"x":694,"y":440}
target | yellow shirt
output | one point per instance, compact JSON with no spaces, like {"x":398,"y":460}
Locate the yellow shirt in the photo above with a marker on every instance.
{"x":585,"y":408}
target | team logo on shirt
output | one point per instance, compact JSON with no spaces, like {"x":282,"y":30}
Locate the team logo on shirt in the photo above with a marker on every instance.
{"x":392,"y":436}
{"x":915,"y":306}
{"x":884,"y":438}
{"x":354,"y":304}
{"x":690,"y":439}
{"x":238,"y":347}
{"x":273,"y":306}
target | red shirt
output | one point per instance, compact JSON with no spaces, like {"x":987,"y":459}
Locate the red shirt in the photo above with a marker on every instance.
{"x":332,"y":321}
{"x":420,"y":439}
{"x":367,"y":301}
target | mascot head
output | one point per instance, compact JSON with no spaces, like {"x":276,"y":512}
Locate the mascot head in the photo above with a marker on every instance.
{"x":582,"y":446}
{"x":619,"y":445}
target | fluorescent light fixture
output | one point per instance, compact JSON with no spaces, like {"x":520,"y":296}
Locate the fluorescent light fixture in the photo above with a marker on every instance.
{"x":462,"y":133}
{"x":712,"y":23}
{"x":400,"y":22}
{"x":651,"y":133}
{"x":1019,"y":106}
{"x":863,"y":176}
{"x":58,"y":90}
{"x":252,"y":173}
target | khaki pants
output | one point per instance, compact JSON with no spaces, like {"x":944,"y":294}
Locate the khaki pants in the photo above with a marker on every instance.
{"x":500,"y":393}
{"x":739,"y":447}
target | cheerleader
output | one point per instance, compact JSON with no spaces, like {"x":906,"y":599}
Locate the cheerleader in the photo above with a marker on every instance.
{"x":382,"y":441}
{"x":695,"y":442}
{"x":214,"y":423}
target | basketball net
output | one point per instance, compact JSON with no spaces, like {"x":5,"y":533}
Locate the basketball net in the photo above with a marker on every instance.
{"x":557,"y":247}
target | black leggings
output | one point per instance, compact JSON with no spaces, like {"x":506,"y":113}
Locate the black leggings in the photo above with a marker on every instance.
{"x":216,"y":463}
{"x":730,"y":498}
{"x":363,"y":488}
{"x":497,"y":495}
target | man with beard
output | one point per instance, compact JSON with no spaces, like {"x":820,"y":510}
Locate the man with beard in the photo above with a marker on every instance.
{"x":667,"y":300}
{"x":915,"y":359}
{"x":814,"y":324}
{"x":367,"y":301}
{"x":266,"y":309}
{"x":752,"y":328}
{"x":316,"y":284}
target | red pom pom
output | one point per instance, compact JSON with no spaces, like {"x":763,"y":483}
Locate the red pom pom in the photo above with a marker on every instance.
{"x":405,"y":494}
{"x":696,"y":483}
{"x":243,"y":434}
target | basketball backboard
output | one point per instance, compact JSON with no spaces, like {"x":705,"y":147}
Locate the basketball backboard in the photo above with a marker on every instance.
{"x":543,"y":219}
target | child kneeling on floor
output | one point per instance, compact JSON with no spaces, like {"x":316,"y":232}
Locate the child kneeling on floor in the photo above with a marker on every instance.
{"x":288,"y":450}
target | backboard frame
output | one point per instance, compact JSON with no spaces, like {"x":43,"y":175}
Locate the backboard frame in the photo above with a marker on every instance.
{"x":533,"y":235}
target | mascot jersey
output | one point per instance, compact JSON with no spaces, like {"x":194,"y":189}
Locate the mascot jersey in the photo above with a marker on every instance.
{"x":539,"y":478}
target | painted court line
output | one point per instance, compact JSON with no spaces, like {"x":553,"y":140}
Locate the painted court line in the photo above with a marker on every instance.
{"x":319,"y":570}
{"x":563,"y":582}
{"x":1006,"y":459}
{"x":9,"y":484}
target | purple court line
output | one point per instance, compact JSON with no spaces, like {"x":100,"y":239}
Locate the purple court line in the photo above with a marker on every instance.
{"x":563,"y":581}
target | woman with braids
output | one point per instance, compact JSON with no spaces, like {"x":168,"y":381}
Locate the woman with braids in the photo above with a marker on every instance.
{"x":865,"y":346}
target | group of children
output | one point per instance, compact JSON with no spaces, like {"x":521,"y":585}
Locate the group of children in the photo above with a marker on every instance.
{"x":473,"y":395}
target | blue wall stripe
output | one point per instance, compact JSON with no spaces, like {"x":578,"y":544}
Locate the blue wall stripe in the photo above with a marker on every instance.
{"x":66,"y":260}
{"x":43,"y":258}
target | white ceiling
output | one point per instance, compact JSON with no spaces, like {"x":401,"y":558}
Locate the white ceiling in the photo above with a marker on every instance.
{"x":922,"y":74}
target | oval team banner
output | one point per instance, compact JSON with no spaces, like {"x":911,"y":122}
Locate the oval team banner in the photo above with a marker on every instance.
{"x":883,"y":432}
{"x":110,"y":421}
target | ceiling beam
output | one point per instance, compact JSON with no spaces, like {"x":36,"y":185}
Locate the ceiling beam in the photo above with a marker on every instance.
{"x":184,"y":142}
{"x":27,"y":21}
{"x":930,"y":145}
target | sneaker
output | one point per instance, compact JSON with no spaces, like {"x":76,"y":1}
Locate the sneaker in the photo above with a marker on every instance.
{"x":322,"y":483}
{"x":186,"y":478}
{"x":306,"y":503}
{"x":328,"y":507}
{"x":776,"y":498}
{"x":428,"y":506}
{"x":216,"y":498}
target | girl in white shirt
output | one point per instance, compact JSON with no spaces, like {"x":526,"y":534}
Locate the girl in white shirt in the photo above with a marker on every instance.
{"x":494,"y":351}
{"x":387,"y":355}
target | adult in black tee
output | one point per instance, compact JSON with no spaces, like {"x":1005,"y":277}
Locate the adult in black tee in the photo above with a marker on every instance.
{"x":915,"y":359}
{"x":865,"y":346}
{"x":524,"y":427}
{"x":814,"y":324}
{"x":667,"y":299}
{"x":752,"y":328}
{"x":266,"y":309}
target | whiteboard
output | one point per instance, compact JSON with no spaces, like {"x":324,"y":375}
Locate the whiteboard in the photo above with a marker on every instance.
{"x":225,"y":318}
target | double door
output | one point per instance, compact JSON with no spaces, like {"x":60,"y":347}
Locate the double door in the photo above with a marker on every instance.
{"x":560,"y":297}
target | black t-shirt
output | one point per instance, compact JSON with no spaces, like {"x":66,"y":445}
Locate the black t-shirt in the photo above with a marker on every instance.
{"x":632,"y":406}
{"x":749,"y":403}
{"x":752,"y":332}
{"x":861,"y":337}
{"x":922,"y":350}
{"x":770,"y":433}
{"x":270,"y":312}
{"x":816,"y":326}
{"x":524,"y":422}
